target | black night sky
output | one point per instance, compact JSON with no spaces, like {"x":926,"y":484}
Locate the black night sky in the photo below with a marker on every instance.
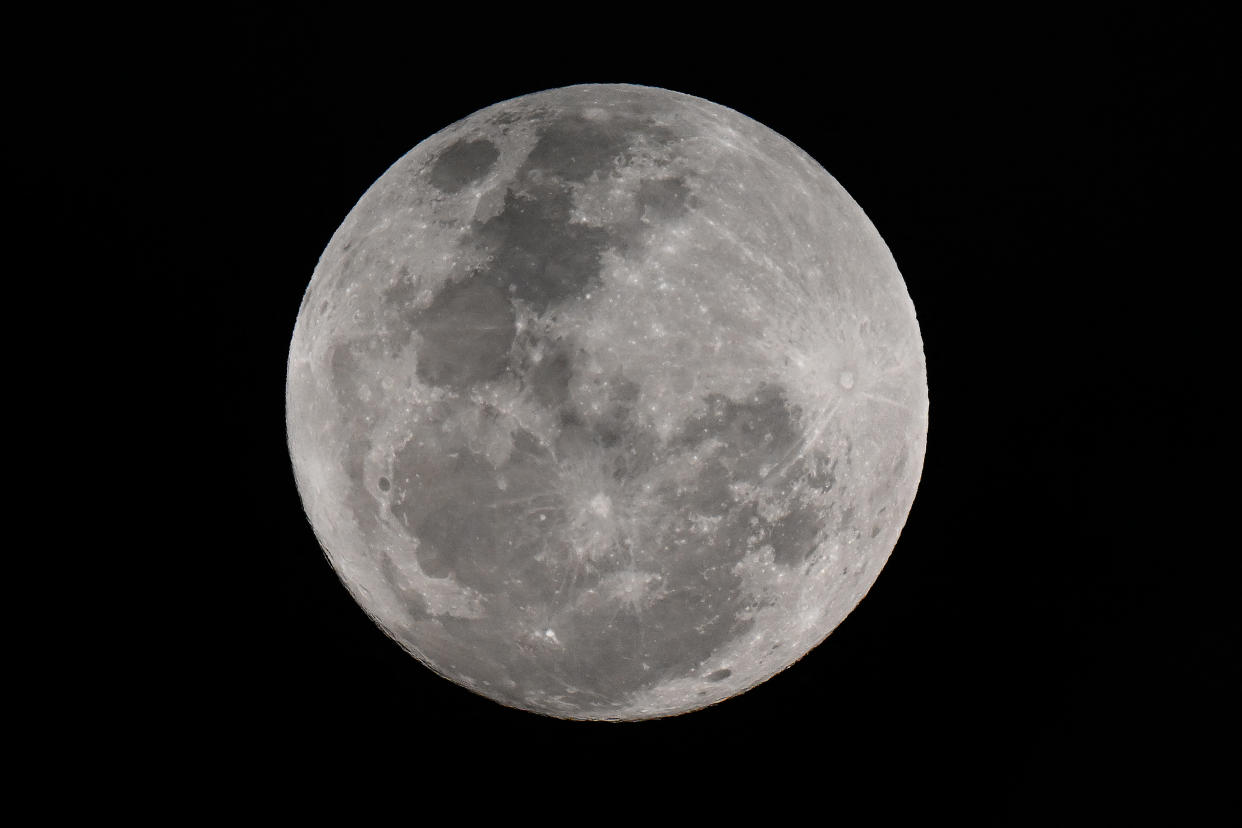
{"x":1015,"y":663}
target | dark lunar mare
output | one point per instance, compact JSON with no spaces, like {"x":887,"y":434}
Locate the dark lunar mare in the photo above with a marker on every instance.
{"x":461,"y":164}
{"x":535,"y":253}
{"x":466,"y":335}
{"x":510,"y":545}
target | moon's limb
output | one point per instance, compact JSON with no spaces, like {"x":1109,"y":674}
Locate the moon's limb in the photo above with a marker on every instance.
{"x":607,"y":402}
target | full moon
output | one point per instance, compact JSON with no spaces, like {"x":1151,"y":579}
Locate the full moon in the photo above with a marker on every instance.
{"x":607,"y":402}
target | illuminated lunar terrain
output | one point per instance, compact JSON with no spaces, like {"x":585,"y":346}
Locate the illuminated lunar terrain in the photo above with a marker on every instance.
{"x":607,"y":402}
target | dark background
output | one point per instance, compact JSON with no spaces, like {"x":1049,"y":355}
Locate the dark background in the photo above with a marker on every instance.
{"x":1042,"y":646}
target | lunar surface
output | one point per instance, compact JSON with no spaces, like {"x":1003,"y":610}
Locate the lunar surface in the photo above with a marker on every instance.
{"x":607,"y":402}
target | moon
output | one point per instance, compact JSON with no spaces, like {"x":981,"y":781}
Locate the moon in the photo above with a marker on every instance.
{"x":607,"y":402}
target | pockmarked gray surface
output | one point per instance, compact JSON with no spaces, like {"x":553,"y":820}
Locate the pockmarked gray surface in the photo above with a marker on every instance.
{"x":607,"y":402}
